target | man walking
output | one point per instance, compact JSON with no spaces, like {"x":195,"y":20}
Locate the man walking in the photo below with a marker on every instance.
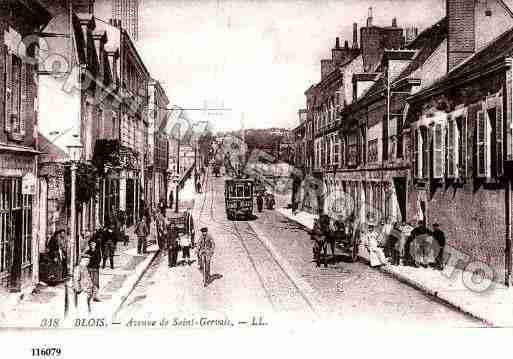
{"x":109,"y":246}
{"x":83,"y":287}
{"x":141,"y":231}
{"x":172,"y":244}
{"x":95,"y":258}
{"x":206,"y":246}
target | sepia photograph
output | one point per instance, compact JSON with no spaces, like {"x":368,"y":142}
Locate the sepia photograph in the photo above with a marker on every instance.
{"x":183,"y":168}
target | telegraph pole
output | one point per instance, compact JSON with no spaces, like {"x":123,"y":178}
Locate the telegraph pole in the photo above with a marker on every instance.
{"x":177,"y":168}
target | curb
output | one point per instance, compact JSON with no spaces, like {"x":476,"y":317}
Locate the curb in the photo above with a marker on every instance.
{"x":433,"y":293}
{"x":131,"y":282}
{"x":421,"y":287}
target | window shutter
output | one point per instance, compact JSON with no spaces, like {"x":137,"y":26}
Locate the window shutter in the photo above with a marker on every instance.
{"x":24,"y":116}
{"x":438,"y":153}
{"x":8,"y":91}
{"x":385,"y":138}
{"x":451,"y":158}
{"x":462,"y":147}
{"x":499,"y":133}
{"x":481,"y":143}
{"x":415,"y":158}
{"x":424,"y":135}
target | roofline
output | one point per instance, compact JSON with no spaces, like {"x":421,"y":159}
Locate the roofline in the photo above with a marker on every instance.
{"x":451,"y":82}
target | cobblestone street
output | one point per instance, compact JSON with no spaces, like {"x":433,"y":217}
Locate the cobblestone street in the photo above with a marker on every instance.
{"x":283,"y":285}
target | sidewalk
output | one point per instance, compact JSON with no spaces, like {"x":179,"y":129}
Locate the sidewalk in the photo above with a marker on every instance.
{"x":494,"y":307}
{"x":31,"y":309}
{"x":47,"y":302}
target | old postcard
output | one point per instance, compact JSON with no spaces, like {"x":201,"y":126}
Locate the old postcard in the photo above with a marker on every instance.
{"x":255,"y":165}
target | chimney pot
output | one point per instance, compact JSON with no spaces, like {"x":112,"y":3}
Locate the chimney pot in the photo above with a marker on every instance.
{"x":394,"y":22}
{"x":355,"y":35}
{"x":337,"y":43}
{"x":369,"y":18}
{"x":346,"y":44}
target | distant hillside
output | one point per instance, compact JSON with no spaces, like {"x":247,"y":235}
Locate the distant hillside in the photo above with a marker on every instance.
{"x":270,"y":140}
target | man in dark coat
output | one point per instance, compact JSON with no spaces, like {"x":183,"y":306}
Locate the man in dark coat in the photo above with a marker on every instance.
{"x":172,"y":244}
{"x":109,"y":245}
{"x":260,"y":202}
{"x":95,"y":258}
{"x":57,"y":250}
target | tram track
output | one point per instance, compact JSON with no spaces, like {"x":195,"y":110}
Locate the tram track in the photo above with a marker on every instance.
{"x":280,"y":288}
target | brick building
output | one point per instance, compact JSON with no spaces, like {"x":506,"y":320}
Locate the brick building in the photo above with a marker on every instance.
{"x":131,"y":134}
{"x":344,"y":79}
{"x":18,"y":147}
{"x":377,"y":148}
{"x":462,"y":139}
{"x":89,"y":104}
{"x":157,"y":143}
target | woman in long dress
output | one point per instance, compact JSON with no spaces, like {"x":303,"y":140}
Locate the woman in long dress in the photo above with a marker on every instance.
{"x":371,"y":241}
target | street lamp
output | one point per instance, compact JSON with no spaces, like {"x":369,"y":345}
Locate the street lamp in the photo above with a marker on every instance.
{"x":75,"y":153}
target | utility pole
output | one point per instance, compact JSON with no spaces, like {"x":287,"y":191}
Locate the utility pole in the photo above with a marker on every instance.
{"x":177,"y":168}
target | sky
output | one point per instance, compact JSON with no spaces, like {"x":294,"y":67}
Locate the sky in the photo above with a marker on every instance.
{"x":256,"y":58}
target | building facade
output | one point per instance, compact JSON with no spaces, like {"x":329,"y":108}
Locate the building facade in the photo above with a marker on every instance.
{"x":460,"y":128}
{"x":158,"y":143}
{"x":18,"y":142}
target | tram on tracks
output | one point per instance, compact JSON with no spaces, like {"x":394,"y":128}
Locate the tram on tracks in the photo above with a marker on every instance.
{"x":238,"y":198}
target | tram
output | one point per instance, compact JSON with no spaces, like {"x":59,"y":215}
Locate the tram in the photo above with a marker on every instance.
{"x":238,"y":198}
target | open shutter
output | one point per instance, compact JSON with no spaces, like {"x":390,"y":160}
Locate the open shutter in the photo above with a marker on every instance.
{"x":499,"y":134}
{"x":8,"y":91}
{"x":24,"y":116}
{"x":451,"y":146}
{"x":3,"y":52}
{"x":481,"y":144}
{"x":462,"y":146}
{"x":438,"y":151}
{"x":385,"y":138}
{"x":415,"y":157}
{"x":425,"y":138}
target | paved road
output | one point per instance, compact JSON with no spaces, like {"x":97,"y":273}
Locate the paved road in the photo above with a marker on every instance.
{"x":264,"y":268}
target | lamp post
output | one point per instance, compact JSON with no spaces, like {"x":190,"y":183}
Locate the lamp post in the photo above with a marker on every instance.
{"x":75,"y":153}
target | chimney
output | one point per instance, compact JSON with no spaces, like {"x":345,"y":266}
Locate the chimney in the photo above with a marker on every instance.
{"x":369,"y":18}
{"x":355,"y":35}
{"x":461,"y":31}
{"x":346,"y":45}
{"x":394,"y":22}
{"x":337,"y":43}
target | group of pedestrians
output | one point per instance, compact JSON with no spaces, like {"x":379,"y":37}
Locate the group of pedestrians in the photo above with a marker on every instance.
{"x":268,"y":198}
{"x":101,"y":248}
{"x":421,"y":247}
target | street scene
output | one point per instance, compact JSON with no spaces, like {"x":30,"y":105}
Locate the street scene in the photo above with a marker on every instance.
{"x":227,"y":173}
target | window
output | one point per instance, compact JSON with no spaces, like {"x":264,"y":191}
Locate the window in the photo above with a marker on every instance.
{"x":438,"y":151}
{"x":417,"y":153}
{"x":352,"y":150}
{"x":17,"y":79}
{"x":373,"y":151}
{"x":328,"y":150}
{"x":483,"y":132}
{"x":336,"y":150}
{"x":453,"y":148}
